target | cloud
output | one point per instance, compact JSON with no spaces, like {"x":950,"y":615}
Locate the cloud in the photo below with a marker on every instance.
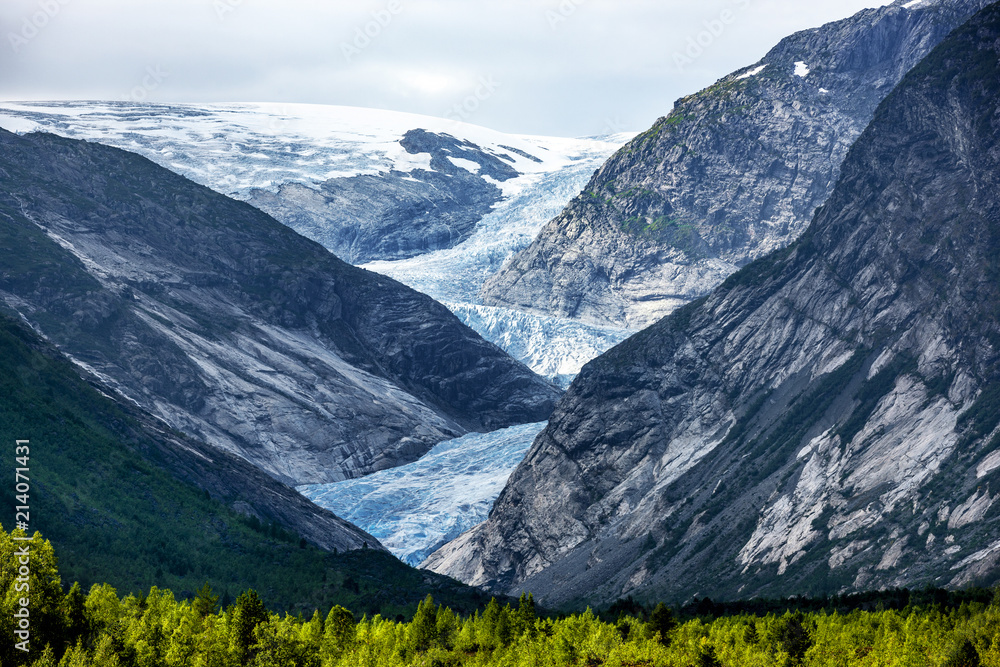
{"x":569,"y":67}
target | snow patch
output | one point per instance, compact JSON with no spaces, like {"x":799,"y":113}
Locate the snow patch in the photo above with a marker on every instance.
{"x":467,"y":165}
{"x":754,"y":72}
{"x":912,"y":4}
{"x":801,"y":69}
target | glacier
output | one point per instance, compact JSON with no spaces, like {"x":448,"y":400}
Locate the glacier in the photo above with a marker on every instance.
{"x":418,"y":507}
{"x":238,"y":149}
{"x":555,"y":348}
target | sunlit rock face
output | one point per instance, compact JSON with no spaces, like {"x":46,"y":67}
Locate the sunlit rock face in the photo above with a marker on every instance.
{"x":734,"y":172}
{"x":826,"y":420}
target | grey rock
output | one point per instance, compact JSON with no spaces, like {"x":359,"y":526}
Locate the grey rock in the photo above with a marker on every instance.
{"x":734,"y":172}
{"x":146,"y":442}
{"x":395,"y":215}
{"x":827,"y":420}
{"x":233,"y":328}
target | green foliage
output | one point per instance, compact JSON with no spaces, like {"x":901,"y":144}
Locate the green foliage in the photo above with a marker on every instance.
{"x":115,"y":513}
{"x":204,"y":602}
{"x":661,"y":622}
{"x":101,"y":629}
{"x":793,"y":638}
{"x":246,"y":614}
{"x":965,"y":655}
{"x":423,"y":632}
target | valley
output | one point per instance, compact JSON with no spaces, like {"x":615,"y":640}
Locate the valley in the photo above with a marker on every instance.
{"x":749,"y":353}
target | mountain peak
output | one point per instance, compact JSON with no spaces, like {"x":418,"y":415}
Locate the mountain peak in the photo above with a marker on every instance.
{"x":824,"y":421}
{"x":732,"y":173}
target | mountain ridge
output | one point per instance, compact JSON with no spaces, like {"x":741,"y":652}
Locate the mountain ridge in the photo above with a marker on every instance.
{"x":732,"y":173}
{"x":232,"y":327}
{"x":826,"y":420}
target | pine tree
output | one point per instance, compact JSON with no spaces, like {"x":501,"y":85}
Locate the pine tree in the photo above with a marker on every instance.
{"x":204,"y":602}
{"x":247,"y":613}
{"x":339,"y":632}
{"x":74,"y":615}
{"x":423,"y":629}
{"x":965,"y":655}
{"x":46,"y":659}
{"x":526,"y":615}
{"x":794,"y":637}
{"x":662,"y":621}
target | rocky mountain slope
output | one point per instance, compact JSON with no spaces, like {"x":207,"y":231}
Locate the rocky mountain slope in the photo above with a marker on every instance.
{"x":103,"y":471}
{"x":232,"y":327}
{"x":128,"y":502}
{"x":828,"y":419}
{"x":368,"y":183}
{"x":733,"y":173}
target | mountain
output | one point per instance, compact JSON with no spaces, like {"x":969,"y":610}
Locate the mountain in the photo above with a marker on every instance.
{"x":232,"y":327}
{"x":412,"y":197}
{"x":366,"y":183}
{"x":126,"y":501}
{"x":826,"y":420}
{"x":398,"y":214}
{"x":733,"y":173}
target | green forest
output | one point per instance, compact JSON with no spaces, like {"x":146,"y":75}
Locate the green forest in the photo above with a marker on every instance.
{"x":100,"y":629}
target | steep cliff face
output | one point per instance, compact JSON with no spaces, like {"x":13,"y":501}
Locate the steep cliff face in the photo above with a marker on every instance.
{"x":734,"y":172}
{"x":827,"y":419}
{"x":232,"y":327}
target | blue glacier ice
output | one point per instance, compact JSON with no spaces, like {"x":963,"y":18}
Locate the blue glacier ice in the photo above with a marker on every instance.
{"x":418,"y":507}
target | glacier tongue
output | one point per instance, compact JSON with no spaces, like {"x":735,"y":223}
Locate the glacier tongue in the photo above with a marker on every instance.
{"x":418,"y":507}
{"x":553,"y":347}
{"x":455,"y":275}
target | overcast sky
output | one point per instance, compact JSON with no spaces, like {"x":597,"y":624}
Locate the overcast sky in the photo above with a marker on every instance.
{"x":558,"y":67}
